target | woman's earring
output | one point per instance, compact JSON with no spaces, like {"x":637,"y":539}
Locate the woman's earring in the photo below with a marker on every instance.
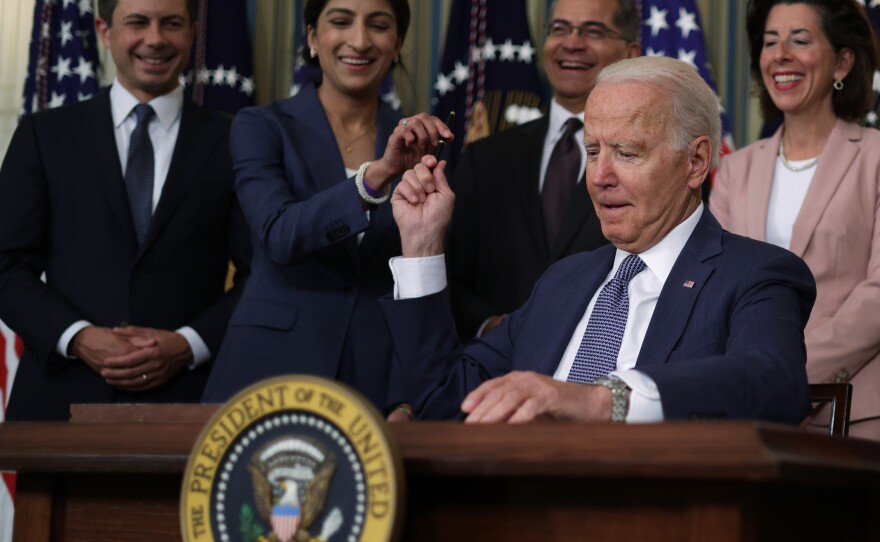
{"x":313,"y":52}
{"x":397,"y":58}
{"x":838,"y":84}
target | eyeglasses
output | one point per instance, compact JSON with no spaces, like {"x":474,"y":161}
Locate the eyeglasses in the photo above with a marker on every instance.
{"x":592,"y":30}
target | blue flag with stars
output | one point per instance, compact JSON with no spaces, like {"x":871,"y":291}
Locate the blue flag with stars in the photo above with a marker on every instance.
{"x":220,"y":72}
{"x":673,"y":28}
{"x":488,"y":75}
{"x":63,"y":63}
{"x":873,"y":10}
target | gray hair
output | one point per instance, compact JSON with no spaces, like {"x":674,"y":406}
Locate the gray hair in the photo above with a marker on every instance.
{"x":694,"y":105}
{"x":626,"y":18}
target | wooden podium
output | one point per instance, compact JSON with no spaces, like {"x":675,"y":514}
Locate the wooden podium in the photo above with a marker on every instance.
{"x":691,"y":481}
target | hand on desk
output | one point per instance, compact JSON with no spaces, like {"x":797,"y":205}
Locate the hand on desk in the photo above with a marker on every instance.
{"x":524,"y":396}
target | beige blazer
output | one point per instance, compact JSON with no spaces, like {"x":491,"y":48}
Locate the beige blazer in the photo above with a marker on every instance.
{"x":837,"y":232}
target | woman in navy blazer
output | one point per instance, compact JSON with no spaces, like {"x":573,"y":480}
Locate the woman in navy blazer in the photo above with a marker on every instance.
{"x":313,"y":173}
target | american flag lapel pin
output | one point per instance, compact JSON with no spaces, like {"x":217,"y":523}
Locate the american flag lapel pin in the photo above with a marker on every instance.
{"x":688,"y":284}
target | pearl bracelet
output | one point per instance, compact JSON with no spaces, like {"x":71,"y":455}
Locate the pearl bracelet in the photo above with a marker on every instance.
{"x":364,"y":190}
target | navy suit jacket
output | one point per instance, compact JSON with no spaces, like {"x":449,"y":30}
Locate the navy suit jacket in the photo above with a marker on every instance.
{"x":731,"y":346}
{"x":311,"y":305}
{"x":64,"y":210}
{"x":496,"y":247}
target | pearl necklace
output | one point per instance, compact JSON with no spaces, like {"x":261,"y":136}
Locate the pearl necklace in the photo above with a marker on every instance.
{"x":791,"y":167}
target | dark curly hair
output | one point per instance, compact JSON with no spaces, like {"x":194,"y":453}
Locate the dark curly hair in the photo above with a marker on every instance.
{"x":313,"y":9}
{"x":846,"y":25}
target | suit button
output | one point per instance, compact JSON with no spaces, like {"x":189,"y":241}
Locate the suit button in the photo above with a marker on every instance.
{"x":338,"y":232}
{"x":841,"y":377}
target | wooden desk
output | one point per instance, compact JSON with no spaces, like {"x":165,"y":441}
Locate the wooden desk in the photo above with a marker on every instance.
{"x":666,"y":482}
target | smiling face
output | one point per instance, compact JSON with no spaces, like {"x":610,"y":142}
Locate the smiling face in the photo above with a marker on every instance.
{"x":572,"y":62}
{"x":150,"y":41}
{"x":356,"y":41}
{"x":798,"y":64}
{"x":641,"y":187}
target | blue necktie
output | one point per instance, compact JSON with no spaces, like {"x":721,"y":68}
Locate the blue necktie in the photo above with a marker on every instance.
{"x":597,"y":354}
{"x":139,"y":172}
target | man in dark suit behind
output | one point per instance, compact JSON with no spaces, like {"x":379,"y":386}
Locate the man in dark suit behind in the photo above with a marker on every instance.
{"x":510,"y":223}
{"x":676,"y":319}
{"x":133,"y":305}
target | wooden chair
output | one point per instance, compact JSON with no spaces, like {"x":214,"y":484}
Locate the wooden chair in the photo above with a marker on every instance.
{"x":840,"y":397}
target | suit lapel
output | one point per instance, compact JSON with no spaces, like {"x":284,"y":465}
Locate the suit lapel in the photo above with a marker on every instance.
{"x":191,"y":152}
{"x":677,"y":300}
{"x":318,"y":148}
{"x":110,"y":170}
{"x":758,"y":196}
{"x":843,"y":143}
{"x":580,"y":208}
{"x":556,"y":333}
{"x":527,"y":171}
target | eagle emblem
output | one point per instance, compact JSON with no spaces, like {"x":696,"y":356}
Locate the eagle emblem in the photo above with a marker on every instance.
{"x":290,"y":477}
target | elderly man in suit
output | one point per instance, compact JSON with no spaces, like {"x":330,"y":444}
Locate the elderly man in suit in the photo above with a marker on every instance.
{"x":676,"y":319}
{"x":125,"y":202}
{"x":517,"y":210}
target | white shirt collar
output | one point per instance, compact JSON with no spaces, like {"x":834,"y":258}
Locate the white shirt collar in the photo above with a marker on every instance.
{"x":167,"y":107}
{"x":558,"y":116}
{"x":661,"y":257}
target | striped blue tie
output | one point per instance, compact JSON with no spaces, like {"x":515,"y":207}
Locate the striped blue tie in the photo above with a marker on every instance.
{"x":597,"y":354}
{"x":139,"y":172}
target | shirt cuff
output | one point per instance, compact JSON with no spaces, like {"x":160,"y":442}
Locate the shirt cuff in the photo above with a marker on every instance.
{"x":644,"y":401}
{"x":200,"y":351}
{"x":68,"y":335}
{"x":418,"y":277}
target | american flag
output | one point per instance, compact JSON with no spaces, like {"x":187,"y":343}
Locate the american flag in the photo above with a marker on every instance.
{"x":673,"y":28}
{"x":10,"y":352}
{"x":63,"y":64}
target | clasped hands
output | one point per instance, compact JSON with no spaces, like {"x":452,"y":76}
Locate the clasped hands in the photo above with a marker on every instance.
{"x":132,"y":358}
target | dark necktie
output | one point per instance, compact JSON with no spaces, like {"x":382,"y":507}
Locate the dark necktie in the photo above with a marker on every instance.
{"x":560,"y":179}
{"x":139,"y":172}
{"x":597,"y":354}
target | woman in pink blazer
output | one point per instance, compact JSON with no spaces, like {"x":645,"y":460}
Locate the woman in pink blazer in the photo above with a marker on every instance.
{"x":814,"y":186}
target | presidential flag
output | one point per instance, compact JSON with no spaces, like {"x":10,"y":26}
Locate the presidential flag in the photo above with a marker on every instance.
{"x":220,"y":72}
{"x":673,"y":28}
{"x":873,"y":10}
{"x":488,"y":75}
{"x":63,"y":64}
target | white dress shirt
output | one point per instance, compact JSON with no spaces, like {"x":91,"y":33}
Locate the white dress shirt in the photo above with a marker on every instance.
{"x":787,"y":194}
{"x":417,"y":277}
{"x":163,"y":135}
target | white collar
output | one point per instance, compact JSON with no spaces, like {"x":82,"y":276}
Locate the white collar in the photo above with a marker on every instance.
{"x":167,"y":107}
{"x":660,"y":258}
{"x":558,"y":116}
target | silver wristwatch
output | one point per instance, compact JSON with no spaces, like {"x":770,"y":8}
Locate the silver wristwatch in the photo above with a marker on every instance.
{"x":619,"y":397}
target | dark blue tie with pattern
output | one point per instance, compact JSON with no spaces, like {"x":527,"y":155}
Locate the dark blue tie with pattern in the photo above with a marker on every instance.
{"x":597,"y":354}
{"x":139,"y":172}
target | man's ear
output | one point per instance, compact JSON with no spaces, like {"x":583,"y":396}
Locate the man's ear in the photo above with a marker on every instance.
{"x":699,"y":159}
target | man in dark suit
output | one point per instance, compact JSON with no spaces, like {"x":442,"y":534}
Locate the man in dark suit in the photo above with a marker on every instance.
{"x":129,"y":211}
{"x":678,"y":319}
{"x":511,"y":221}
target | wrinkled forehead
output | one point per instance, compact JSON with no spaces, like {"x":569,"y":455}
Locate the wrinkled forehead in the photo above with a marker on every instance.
{"x":629,"y":106}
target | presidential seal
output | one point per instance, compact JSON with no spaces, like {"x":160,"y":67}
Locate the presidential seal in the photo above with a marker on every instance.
{"x":293,"y":459}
